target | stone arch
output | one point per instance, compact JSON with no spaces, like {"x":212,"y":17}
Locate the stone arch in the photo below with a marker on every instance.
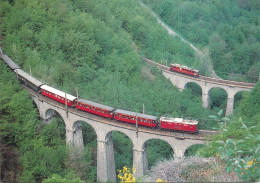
{"x":123,"y":147}
{"x":75,"y":123}
{"x":157,"y":146}
{"x":197,"y":86}
{"x":125,"y":132}
{"x":51,"y":113}
{"x":192,"y":149}
{"x":213,"y":102}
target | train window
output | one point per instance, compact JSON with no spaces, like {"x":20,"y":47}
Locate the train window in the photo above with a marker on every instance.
{"x":132,"y":118}
{"x":94,"y":108}
{"x":119,"y":115}
{"x":102,"y":111}
{"x":83,"y":105}
{"x":58,"y":97}
{"x":79,"y":103}
{"x":191,"y":126}
{"x":115,"y":113}
{"x":141,"y":120}
{"x":87,"y":106}
{"x":105,"y":112}
{"x":98,"y":110}
{"x":68,"y":100}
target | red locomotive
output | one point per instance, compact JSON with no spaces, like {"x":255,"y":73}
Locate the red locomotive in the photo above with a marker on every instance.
{"x":184,"y":69}
{"x":179,"y":124}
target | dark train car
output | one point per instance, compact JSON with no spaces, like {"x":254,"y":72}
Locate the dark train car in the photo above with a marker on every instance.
{"x":28,"y":80}
{"x":57,"y":95}
{"x":9,"y":62}
{"x":130,"y":117}
{"x":95,"y":108}
{"x":179,"y":124}
{"x":184,"y":69}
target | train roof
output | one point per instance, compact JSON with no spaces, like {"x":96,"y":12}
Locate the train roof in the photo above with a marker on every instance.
{"x":179,"y":120}
{"x":95,"y":104}
{"x":136,"y":114}
{"x":185,"y":67}
{"x":9,"y":62}
{"x":58,"y":92}
{"x":28,"y":77}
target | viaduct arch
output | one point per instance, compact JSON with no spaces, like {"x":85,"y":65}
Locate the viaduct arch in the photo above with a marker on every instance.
{"x":105,"y":153}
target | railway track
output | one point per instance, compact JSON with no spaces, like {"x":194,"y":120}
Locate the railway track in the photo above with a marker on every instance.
{"x":202,"y":135}
{"x":203,"y":78}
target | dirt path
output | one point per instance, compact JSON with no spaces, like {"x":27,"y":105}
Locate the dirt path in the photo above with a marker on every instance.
{"x":173,"y":33}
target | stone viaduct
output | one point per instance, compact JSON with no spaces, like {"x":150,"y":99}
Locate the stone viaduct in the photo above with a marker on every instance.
{"x":206,"y":84}
{"x":103,"y":128}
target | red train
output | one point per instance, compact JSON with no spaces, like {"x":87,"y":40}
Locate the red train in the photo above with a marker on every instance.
{"x":176,"y":124}
{"x":165,"y":123}
{"x":184,"y":69}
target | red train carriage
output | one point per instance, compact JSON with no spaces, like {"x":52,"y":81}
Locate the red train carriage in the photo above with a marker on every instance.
{"x":179,"y":124}
{"x":57,"y":95}
{"x":184,"y":69}
{"x":95,"y":108}
{"x":130,"y":117}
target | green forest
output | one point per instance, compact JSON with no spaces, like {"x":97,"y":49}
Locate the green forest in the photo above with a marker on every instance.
{"x":97,"y":46}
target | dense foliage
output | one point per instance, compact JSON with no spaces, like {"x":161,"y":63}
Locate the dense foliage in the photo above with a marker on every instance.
{"x":228,"y":31}
{"x":239,"y":143}
{"x":94,"y":45}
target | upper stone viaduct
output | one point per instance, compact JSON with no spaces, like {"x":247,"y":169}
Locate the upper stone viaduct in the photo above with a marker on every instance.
{"x":206,"y":84}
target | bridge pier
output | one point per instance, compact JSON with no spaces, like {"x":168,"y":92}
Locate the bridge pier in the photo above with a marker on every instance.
{"x":140,"y":161}
{"x":77,"y":136}
{"x":69,"y":137}
{"x":205,"y":100}
{"x":105,"y":160}
{"x":230,"y":104}
{"x":179,"y":151}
